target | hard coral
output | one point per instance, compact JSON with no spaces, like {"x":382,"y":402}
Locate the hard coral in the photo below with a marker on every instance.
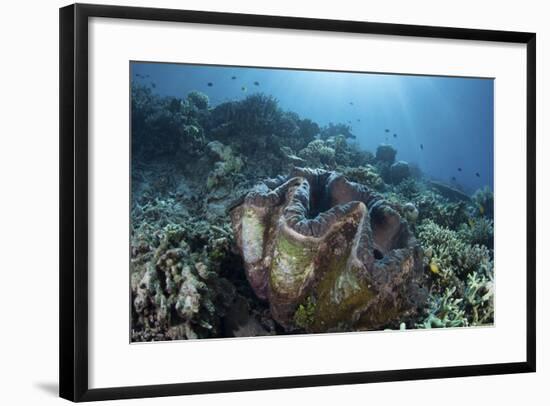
{"x":386,"y":153}
{"x":198,"y":100}
{"x":328,"y":254}
{"x":366,"y":175}
{"x":462,"y":291}
{"x":177,"y":289}
{"x":399,"y":171}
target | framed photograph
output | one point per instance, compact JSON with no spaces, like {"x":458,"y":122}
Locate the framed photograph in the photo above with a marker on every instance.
{"x":257,"y":202}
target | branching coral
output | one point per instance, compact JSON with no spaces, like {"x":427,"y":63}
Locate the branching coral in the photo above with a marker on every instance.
{"x":445,"y":311}
{"x":479,"y":230}
{"x":177,"y":290}
{"x":463,"y":278}
{"x":479,"y":297}
{"x":432,"y":206}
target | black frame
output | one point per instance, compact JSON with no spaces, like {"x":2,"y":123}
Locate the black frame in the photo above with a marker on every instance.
{"x":73,"y":254}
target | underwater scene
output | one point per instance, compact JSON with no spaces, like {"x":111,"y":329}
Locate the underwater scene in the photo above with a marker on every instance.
{"x":278,"y":201}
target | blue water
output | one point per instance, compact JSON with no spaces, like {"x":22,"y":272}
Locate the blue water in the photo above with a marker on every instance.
{"x":452,"y":118}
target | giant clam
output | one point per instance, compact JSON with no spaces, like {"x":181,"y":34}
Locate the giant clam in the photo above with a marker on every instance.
{"x":327,"y":254}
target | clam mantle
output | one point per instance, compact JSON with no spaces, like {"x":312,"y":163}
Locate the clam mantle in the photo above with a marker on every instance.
{"x":327,"y":254}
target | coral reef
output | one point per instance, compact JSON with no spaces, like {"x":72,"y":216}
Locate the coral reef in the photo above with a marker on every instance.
{"x":484,"y":202}
{"x":411,"y":212}
{"x":399,"y":171}
{"x":163,"y":127}
{"x":227,"y":164}
{"x":386,"y":153}
{"x":257,"y":127}
{"x":327,"y":254}
{"x":441,"y":211}
{"x":449,"y":192}
{"x":318,"y":154}
{"x":332,"y":130}
{"x":366,"y":175}
{"x":177,"y":291}
{"x":462,"y":285}
{"x":214,"y":253}
{"x":333,"y":153}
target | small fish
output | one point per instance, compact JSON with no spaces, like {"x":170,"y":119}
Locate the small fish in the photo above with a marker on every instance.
{"x":387,"y":130}
{"x":471,"y":223}
{"x":138,"y":75}
{"x":434,"y":268}
{"x":147,"y":76}
{"x":453,"y":179}
{"x":359,"y":120}
{"x":460,"y":169}
{"x":351,"y":103}
{"x":210,"y":84}
{"x":422,"y":147}
{"x":394,"y":135}
{"x":243,"y":88}
{"x":477,"y":174}
{"x":481,"y":210}
{"x":256,"y":83}
{"x":233,"y":77}
{"x":153,"y":85}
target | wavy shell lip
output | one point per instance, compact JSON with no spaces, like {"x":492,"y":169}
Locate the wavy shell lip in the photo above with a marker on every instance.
{"x":316,"y":237}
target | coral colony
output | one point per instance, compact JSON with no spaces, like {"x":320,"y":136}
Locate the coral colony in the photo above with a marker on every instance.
{"x":248,"y":220}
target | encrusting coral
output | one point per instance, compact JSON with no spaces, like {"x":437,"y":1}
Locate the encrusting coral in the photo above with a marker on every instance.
{"x":327,"y":254}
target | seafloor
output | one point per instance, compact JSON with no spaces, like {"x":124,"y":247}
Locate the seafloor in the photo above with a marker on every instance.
{"x":192,"y":163}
